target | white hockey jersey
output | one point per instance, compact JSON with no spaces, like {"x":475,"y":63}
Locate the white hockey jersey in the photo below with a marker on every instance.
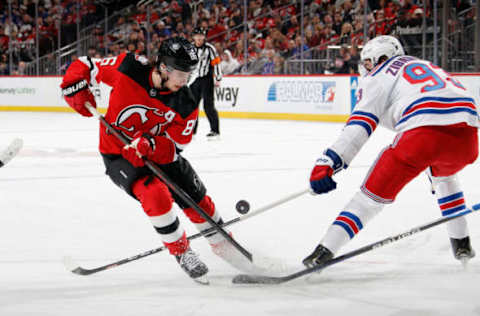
{"x":401,"y":94}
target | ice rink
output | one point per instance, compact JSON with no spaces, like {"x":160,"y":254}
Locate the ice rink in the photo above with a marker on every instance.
{"x":55,"y":201}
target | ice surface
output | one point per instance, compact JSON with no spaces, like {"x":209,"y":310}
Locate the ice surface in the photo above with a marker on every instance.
{"x":55,"y":200}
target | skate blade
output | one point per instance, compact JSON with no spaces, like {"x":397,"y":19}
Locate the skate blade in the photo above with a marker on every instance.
{"x":213,"y":138}
{"x":203,"y":280}
{"x":464,"y":261}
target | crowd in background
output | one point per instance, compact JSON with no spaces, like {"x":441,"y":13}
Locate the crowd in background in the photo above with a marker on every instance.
{"x":273,"y":34}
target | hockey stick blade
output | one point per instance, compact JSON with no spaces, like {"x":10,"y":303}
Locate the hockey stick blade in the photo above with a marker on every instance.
{"x":73,"y":267}
{"x":11,"y":151}
{"x":260,"y":279}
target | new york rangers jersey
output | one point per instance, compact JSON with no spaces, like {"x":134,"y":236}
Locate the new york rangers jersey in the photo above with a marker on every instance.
{"x":401,"y":94}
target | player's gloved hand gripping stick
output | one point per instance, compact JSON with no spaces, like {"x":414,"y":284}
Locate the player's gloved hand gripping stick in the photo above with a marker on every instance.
{"x":175,"y":188}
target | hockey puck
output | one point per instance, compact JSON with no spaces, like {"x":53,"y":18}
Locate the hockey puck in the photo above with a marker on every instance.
{"x":242,"y":207}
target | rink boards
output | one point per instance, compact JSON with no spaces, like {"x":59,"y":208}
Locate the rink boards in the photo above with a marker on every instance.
{"x":311,"y":97}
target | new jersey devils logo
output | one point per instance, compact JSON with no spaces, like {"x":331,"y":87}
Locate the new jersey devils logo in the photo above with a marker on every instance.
{"x":139,"y":117}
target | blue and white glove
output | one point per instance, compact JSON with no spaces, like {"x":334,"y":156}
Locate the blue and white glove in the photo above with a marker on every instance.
{"x":321,"y":176}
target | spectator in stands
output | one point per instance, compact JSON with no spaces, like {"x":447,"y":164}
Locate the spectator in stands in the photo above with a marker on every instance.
{"x":269,"y":65}
{"x":4,"y":39}
{"x":341,"y":62}
{"x":278,"y":68}
{"x":328,"y":21}
{"x":123,"y":47}
{"x":354,"y":59}
{"x":347,"y":11}
{"x":131,"y":47}
{"x":50,"y":65}
{"x":290,"y":51}
{"x":114,"y":49}
{"x":21,"y":69}
{"x":228,"y":64}
{"x":92,"y":50}
{"x":346,"y":34}
{"x":337,"y":22}
{"x":99,"y":38}
{"x":121,"y":29}
{"x":186,"y":12}
{"x":216,"y":31}
{"x":161,"y":30}
{"x":312,"y":38}
{"x":141,"y":50}
{"x":291,"y":28}
{"x":280,"y":41}
{"x":381,"y":27}
{"x":4,"y":71}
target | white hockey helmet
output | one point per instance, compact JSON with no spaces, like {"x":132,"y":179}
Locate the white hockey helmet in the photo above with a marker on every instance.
{"x":378,"y":47}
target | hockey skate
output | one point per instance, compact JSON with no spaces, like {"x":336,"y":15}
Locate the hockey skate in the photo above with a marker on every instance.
{"x":462,"y":249}
{"x":193,"y":266}
{"x":213,"y":136}
{"x":319,"y":256}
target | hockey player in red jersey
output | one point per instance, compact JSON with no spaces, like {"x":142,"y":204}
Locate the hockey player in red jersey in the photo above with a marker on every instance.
{"x":437,"y":124}
{"x":152,"y":107}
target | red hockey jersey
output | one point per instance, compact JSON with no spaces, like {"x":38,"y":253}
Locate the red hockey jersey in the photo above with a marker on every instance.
{"x":134,"y":103}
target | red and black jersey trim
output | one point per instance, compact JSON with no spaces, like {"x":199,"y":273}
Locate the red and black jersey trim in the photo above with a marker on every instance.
{"x":136,"y":71}
{"x":181,"y":101}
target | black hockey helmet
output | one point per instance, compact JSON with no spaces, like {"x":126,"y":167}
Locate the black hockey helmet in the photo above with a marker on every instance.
{"x":178,"y":53}
{"x":199,"y":30}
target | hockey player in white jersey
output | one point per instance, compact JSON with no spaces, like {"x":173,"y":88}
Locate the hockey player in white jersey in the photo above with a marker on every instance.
{"x":436,"y":120}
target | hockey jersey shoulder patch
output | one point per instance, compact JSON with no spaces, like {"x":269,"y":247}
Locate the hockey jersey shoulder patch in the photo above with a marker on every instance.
{"x":136,"y":67}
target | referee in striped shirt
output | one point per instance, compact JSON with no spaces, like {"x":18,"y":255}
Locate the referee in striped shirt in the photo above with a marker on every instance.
{"x":205,"y":77}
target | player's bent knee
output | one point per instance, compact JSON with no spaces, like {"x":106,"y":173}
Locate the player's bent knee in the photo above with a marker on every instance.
{"x":205,"y":204}
{"x":154,"y":196}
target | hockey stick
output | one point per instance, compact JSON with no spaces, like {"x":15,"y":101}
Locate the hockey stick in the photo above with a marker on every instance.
{"x":75,"y":268}
{"x":11,"y":151}
{"x":260,"y":279}
{"x":172,"y":186}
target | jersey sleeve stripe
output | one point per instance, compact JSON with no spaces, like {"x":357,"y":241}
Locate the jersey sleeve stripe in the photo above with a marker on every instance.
{"x":370,"y":115}
{"x":363,"y":124}
{"x":365,"y":120}
{"x":87,"y":61}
